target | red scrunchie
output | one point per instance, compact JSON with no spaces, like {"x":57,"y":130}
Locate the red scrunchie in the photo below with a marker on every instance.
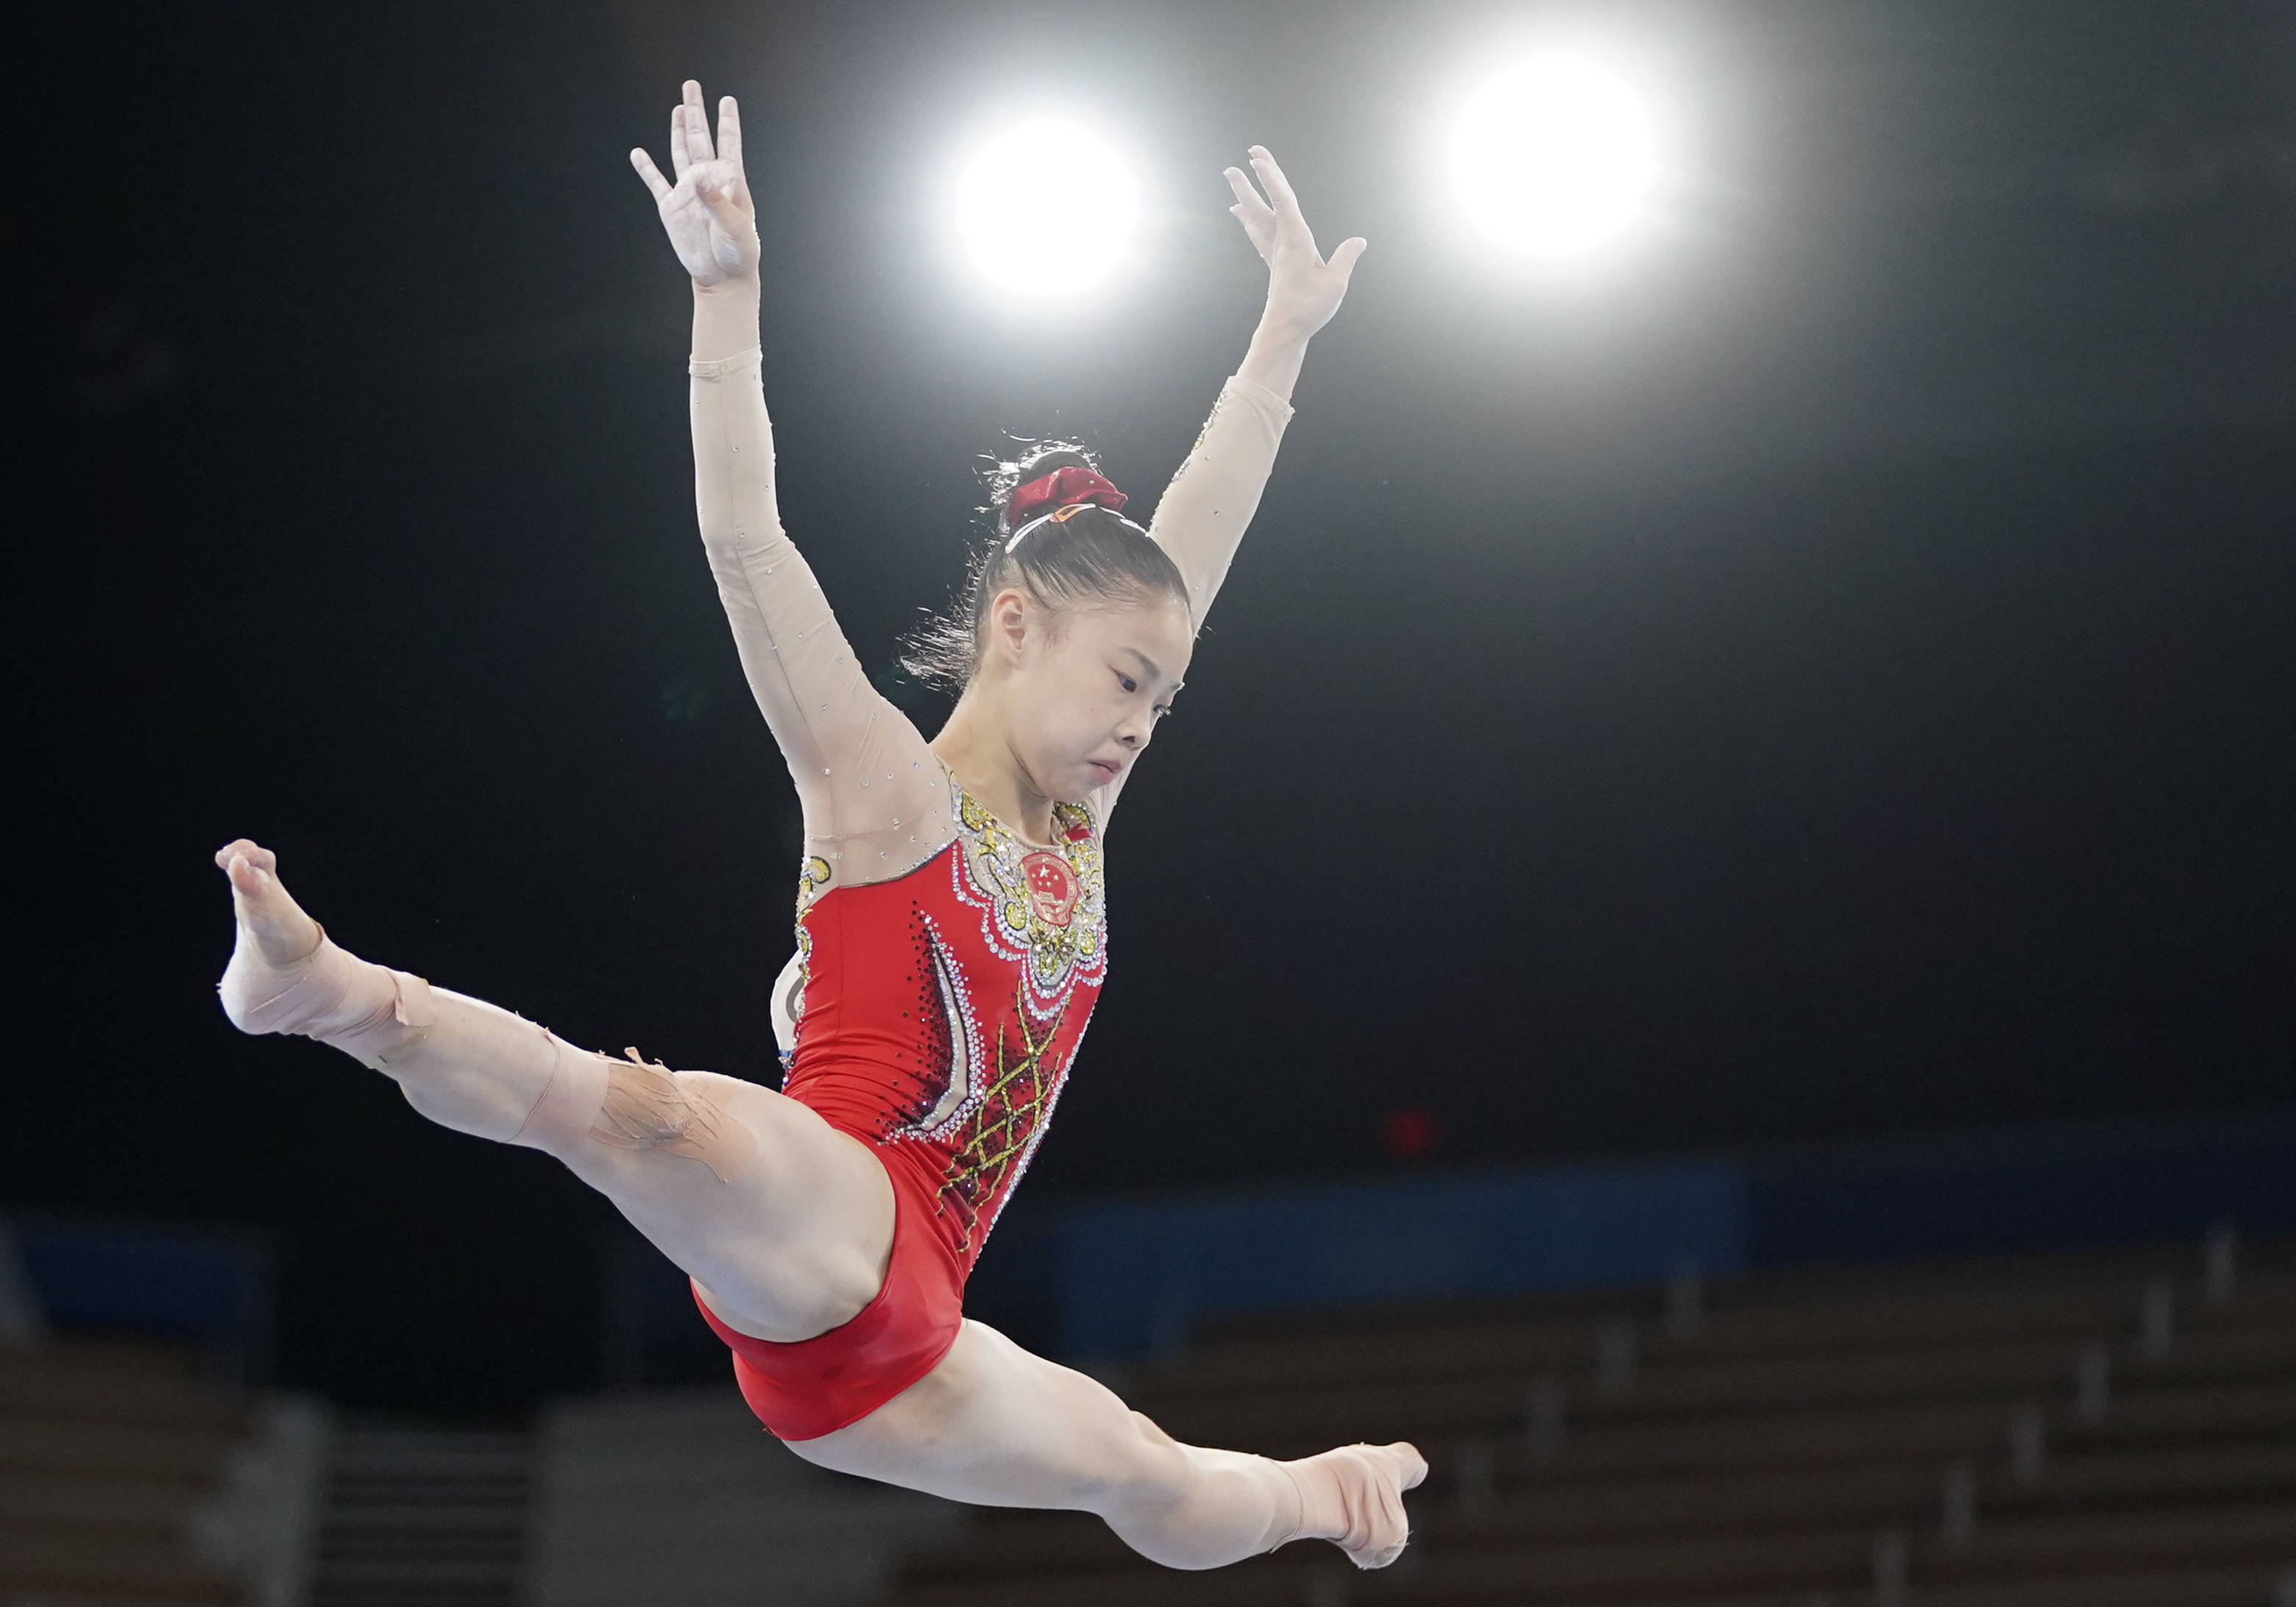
{"x":1057,"y":489}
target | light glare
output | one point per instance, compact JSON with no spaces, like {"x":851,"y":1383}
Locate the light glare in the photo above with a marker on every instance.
{"x":1046,"y":208}
{"x":1555,"y":157}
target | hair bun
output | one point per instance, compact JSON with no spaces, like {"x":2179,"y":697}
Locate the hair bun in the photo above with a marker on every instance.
{"x":1062,"y":488}
{"x":1091,"y":556}
{"x":1048,"y":458}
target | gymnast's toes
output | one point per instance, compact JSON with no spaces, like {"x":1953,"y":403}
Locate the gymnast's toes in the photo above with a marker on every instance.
{"x":1353,"y":1497}
{"x":283,"y":933}
{"x":1395,"y":1469}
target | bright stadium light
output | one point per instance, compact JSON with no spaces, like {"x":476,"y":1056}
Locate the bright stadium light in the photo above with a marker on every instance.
{"x":1556,"y":156}
{"x":1045,"y":209}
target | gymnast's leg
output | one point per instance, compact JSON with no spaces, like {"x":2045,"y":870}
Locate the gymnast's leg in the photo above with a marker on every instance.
{"x":786,"y":1223}
{"x":995,"y":1426}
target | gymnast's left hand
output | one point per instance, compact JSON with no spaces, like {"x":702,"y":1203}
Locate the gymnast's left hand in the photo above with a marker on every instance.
{"x":707,"y":213}
{"x":1303,"y":289}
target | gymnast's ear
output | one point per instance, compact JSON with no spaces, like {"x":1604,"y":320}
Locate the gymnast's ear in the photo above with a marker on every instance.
{"x":1011,"y":617}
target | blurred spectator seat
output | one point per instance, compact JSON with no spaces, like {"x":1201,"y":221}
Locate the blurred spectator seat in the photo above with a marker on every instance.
{"x":2105,"y":1428}
{"x":110,"y":1453}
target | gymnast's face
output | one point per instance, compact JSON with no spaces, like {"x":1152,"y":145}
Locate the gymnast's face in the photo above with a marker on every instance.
{"x":1082,"y":690}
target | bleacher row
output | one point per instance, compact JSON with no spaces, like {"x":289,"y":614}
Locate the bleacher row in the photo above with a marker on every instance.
{"x":108,"y":1451}
{"x":2100,"y":1430}
{"x":2096,"y":1430}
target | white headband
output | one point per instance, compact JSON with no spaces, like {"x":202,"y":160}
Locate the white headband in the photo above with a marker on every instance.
{"x":1060,"y":515}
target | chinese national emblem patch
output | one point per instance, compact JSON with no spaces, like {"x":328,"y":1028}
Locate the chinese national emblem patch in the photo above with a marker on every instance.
{"x":1052,"y":890}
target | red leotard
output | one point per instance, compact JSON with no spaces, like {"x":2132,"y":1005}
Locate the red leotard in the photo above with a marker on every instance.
{"x":941,"y":1011}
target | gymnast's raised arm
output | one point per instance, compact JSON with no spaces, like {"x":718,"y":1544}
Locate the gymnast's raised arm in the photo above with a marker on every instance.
{"x":874,"y":799}
{"x":1202,"y":518}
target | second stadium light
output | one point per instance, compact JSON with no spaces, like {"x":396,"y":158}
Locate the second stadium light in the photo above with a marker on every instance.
{"x":1555,"y":156}
{"x":1045,"y":209}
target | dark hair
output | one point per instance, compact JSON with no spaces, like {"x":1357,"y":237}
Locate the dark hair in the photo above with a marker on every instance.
{"x":1096,"y":555}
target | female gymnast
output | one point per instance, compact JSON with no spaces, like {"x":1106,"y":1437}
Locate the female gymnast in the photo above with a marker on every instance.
{"x":951,"y":942}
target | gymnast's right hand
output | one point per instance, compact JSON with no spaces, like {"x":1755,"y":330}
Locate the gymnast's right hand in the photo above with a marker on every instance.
{"x":708,"y":215}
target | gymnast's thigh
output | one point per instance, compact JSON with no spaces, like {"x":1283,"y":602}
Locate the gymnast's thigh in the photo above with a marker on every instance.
{"x":996,"y":1425}
{"x":786,"y":1222}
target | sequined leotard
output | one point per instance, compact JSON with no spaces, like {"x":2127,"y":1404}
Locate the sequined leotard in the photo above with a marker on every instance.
{"x":949,"y":1052}
{"x":946,"y":968}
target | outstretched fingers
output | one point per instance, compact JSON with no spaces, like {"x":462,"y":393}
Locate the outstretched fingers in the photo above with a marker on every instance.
{"x":729,"y":132}
{"x":696,"y":124}
{"x":1304,"y":285}
{"x":1278,"y":187}
{"x":1247,"y":195}
{"x":1251,"y":210}
{"x":647,"y":171}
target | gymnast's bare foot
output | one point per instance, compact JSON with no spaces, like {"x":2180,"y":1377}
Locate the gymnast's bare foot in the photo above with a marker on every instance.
{"x":283,"y":935}
{"x":1353,"y":1497}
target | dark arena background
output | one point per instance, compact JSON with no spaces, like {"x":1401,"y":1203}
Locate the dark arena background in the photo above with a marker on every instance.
{"x":1711,"y":941}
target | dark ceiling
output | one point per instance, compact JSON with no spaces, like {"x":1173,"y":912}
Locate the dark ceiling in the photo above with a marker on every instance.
{"x":1827,"y":679}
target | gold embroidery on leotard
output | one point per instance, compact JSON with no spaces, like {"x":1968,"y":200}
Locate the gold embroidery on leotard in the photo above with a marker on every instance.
{"x":1060,"y":934}
{"x":1010,"y":1113}
{"x":813,"y":873}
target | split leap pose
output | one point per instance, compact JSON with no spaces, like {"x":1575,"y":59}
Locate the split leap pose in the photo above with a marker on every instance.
{"x":951,"y":943}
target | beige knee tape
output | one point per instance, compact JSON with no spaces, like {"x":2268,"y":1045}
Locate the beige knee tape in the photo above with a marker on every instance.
{"x":649,"y":1107}
{"x":568,"y":1103}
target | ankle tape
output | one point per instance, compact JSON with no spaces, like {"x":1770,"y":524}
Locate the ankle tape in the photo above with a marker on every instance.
{"x":1282,"y":1530}
{"x":366,"y":1009}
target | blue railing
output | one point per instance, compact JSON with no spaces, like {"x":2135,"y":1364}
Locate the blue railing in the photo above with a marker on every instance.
{"x":209,"y":1288}
{"x":1127,"y":1278}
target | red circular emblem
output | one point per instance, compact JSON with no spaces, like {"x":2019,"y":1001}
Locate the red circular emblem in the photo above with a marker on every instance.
{"x":1052,"y":887}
